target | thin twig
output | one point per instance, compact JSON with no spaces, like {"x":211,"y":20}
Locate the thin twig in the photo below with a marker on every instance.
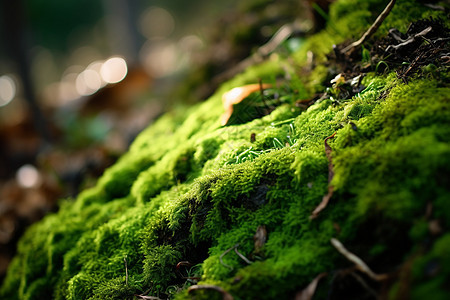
{"x":308,"y":292}
{"x":328,"y":196}
{"x":372,"y":29}
{"x":358,"y":262}
{"x":410,"y":40}
{"x":238,"y":254}
{"x":261,"y":91}
{"x":126,"y":271}
{"x":262,"y":53}
{"x":225,"y":294}
{"x":223,"y":254}
{"x":277,"y":39}
{"x":147,"y":297}
{"x":365,"y":285}
{"x":242,"y":256}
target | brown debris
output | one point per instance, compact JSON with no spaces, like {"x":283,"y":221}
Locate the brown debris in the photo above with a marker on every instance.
{"x":327,"y":197}
{"x":225,"y":294}
{"x":260,"y":238}
{"x":424,"y":44}
{"x":408,"y":41}
{"x":434,"y":226}
{"x":423,"y":49}
{"x":308,"y":292}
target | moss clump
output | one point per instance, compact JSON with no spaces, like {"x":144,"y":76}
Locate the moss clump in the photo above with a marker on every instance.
{"x":190,"y":190}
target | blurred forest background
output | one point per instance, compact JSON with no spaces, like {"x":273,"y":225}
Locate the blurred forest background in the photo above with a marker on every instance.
{"x":80,"y":79}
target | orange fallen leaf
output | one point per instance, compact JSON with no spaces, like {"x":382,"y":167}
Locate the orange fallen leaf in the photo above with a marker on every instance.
{"x":236,"y":95}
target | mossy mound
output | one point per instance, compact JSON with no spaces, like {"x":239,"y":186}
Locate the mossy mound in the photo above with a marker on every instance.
{"x":184,"y":204}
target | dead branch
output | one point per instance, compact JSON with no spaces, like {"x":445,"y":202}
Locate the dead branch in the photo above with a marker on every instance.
{"x":408,"y":41}
{"x":372,"y":29}
{"x":360,"y":265}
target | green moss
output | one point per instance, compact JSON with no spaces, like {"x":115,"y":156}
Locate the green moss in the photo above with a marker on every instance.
{"x":190,"y":189}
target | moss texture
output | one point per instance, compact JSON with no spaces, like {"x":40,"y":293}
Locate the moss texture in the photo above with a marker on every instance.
{"x":189,"y":189}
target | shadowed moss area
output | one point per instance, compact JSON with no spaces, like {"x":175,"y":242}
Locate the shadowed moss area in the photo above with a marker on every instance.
{"x":184,"y":204}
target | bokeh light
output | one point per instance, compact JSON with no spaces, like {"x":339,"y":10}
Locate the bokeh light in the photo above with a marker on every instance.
{"x":96,"y":66}
{"x":7,"y":90}
{"x":161,"y":58}
{"x":88,"y":82}
{"x":156,"y":22}
{"x":28,"y":176}
{"x":114,"y":70}
{"x":191,"y":43}
{"x":67,"y":88}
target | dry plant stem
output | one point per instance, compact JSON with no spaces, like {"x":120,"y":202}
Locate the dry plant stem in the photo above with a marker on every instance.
{"x":242,"y":256}
{"x":327,"y":197}
{"x":355,"y":259}
{"x":223,"y":254}
{"x":372,"y":29}
{"x":238,"y":254}
{"x":261,"y":91}
{"x":262,"y":53}
{"x":147,"y":297}
{"x":365,"y":285}
{"x":225,"y":294}
{"x":308,"y":292}
{"x":410,"y":40}
{"x":323,"y":203}
{"x":126,"y":271}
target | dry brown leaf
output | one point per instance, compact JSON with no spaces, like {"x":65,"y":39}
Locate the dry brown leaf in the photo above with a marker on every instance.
{"x":260,"y":237}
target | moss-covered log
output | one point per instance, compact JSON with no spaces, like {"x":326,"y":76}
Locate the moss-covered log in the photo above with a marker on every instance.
{"x":184,"y":205}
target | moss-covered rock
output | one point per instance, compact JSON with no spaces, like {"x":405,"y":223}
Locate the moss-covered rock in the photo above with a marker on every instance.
{"x":184,"y":204}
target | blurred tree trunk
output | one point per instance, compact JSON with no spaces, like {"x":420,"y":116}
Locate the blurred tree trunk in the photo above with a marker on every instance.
{"x":15,"y":39}
{"x":124,"y":37}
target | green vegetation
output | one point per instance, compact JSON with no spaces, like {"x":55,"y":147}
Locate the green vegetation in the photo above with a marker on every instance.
{"x":190,"y":189}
